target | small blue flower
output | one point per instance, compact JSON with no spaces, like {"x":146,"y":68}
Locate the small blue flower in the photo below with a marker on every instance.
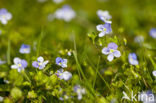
{"x":80,"y":91}
{"x":104,"y":29}
{"x":111,"y":51}
{"x":19,"y":64}
{"x":153,"y":32}
{"x":4,"y":16}
{"x":40,"y":63}
{"x":61,"y":62}
{"x":64,"y":74}
{"x":25,"y":49}
{"x":133,"y":59}
{"x":65,"y":13}
{"x":104,"y":16}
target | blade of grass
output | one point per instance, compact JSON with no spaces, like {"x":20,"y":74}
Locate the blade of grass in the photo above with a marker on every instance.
{"x":39,"y":42}
{"x":152,"y":61}
{"x":96,"y":71}
{"x":100,"y":75}
{"x":26,"y":76}
{"x":86,"y":83}
{"x":8,"y":53}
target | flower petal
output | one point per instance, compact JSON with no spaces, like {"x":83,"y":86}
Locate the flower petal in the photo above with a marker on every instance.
{"x":101,"y":34}
{"x":24,"y":63}
{"x":67,"y":75}
{"x":58,"y":60}
{"x":40,"y":59}
{"x":17,"y":60}
{"x":110,"y":57}
{"x":35,"y":64}
{"x":100,"y":27}
{"x":117,"y":53}
{"x":64,"y":63}
{"x":105,"y":50}
{"x":112,"y":46}
{"x":45,"y":62}
{"x":14,"y":66}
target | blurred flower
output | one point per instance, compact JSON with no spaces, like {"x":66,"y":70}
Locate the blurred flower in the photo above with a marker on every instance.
{"x":58,"y":1}
{"x":59,"y":73}
{"x":64,"y":74}
{"x":65,"y":13}
{"x":65,"y":97}
{"x":25,"y":49}
{"x":19,"y":64}
{"x":133,"y":59}
{"x":5,"y":16}
{"x":67,"y":75}
{"x":111,"y":51}
{"x":69,"y":53}
{"x":61,"y":62}
{"x":50,"y":17}
{"x":104,"y":29}
{"x":40,"y":63}
{"x":0,"y":32}
{"x":139,"y":39}
{"x":104,"y":16}
{"x":80,"y":91}
{"x":153,"y":32}
{"x":154,"y":73}
{"x":1,"y":99}
{"x":113,"y":100}
{"x":6,"y":81}
{"x":2,"y":62}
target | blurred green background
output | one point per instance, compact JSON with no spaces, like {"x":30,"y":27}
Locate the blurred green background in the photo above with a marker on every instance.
{"x":130,"y":18}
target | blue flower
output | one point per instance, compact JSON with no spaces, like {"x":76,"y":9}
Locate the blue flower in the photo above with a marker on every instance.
{"x":133,"y":59}
{"x":153,"y":32}
{"x":4,"y":16}
{"x":64,"y":74}
{"x":61,"y":62}
{"x":111,"y":51}
{"x":19,"y":64}
{"x":65,"y":13}
{"x":40,"y":63}
{"x":25,"y":49}
{"x":104,"y":29}
{"x":80,"y":91}
{"x":104,"y":16}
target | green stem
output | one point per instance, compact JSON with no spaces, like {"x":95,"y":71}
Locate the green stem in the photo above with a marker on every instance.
{"x":8,"y":53}
{"x":96,"y":71}
{"x":26,"y":76}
